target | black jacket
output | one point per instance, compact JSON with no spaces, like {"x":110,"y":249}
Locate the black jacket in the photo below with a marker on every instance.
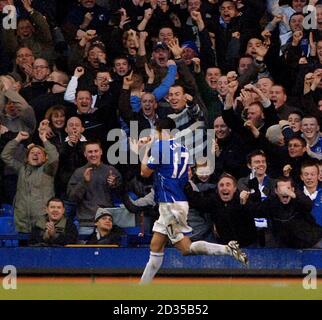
{"x":232,"y":220}
{"x":296,"y":164}
{"x":247,"y":184}
{"x":232,"y":158}
{"x":34,"y":90}
{"x":97,"y":124}
{"x":71,"y":157}
{"x":292,"y":224}
{"x":236,"y":124}
{"x":46,"y":100}
{"x":114,"y":237}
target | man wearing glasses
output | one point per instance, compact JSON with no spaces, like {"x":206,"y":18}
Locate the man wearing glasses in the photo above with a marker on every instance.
{"x":38,"y":84}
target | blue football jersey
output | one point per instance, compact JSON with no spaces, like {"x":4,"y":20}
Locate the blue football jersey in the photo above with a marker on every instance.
{"x":170,"y":162}
{"x":317,"y":147}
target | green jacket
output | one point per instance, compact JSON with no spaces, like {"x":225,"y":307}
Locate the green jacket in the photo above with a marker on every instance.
{"x":40,"y":42}
{"x":35,"y":185}
{"x":25,"y":120}
{"x":210,"y":99}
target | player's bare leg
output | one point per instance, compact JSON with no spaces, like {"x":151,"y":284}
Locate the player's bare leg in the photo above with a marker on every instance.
{"x":157,"y":246}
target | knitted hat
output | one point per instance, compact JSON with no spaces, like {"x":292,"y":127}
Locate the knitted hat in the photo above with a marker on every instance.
{"x":101,"y":212}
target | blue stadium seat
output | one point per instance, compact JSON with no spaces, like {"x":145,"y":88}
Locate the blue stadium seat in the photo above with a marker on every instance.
{"x":70,"y":212}
{"x":116,"y":200}
{"x":7,"y":228}
{"x":7,"y":225}
{"x":6,"y":210}
{"x":136,"y":238}
{"x":70,"y":209}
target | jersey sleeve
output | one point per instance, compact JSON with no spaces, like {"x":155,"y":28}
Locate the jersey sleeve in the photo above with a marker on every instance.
{"x":154,"y":159}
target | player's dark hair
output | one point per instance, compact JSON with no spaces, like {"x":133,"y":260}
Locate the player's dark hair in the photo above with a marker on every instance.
{"x":163,"y":124}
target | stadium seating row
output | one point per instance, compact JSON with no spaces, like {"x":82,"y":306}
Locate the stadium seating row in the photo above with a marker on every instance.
{"x":134,"y":235}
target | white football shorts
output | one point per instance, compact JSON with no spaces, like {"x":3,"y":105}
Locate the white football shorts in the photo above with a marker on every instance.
{"x":173,"y":220}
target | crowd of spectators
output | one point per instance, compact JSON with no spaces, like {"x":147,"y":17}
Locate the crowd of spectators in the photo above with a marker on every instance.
{"x":241,"y":76}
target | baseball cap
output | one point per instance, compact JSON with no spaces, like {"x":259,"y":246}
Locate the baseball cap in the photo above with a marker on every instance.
{"x":191,"y":45}
{"x":160,"y":45}
{"x":101,"y":212}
